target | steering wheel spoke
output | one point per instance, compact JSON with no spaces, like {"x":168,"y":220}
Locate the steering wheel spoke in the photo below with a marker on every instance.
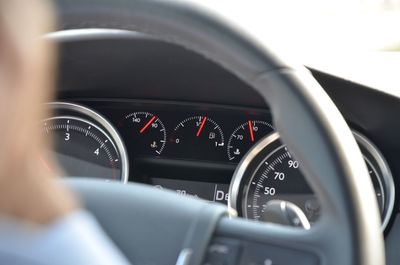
{"x":264,"y":243}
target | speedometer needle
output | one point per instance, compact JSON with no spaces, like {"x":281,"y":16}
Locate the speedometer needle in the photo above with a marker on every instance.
{"x":147,"y":124}
{"x":201,"y":126}
{"x":251,"y":131}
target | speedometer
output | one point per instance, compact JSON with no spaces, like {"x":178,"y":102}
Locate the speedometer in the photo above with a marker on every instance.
{"x":269,"y":172}
{"x":278,"y":178}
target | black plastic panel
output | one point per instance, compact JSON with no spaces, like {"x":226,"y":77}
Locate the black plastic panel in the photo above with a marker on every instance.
{"x":147,"y":69}
{"x":392,"y":243}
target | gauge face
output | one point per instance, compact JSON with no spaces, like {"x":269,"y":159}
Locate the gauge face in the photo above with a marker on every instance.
{"x":82,"y":148}
{"x":278,"y":178}
{"x":148,"y":132}
{"x":244,"y":137}
{"x":200,"y":135}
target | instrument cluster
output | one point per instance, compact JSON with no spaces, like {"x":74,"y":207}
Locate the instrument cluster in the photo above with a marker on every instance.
{"x":225,"y":154}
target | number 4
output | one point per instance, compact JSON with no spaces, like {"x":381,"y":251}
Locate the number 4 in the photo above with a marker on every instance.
{"x":96,"y":151}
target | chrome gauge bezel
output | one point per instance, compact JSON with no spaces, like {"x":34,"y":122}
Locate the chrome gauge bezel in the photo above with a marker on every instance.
{"x":85,"y":113}
{"x":259,"y":151}
{"x":386,"y":177}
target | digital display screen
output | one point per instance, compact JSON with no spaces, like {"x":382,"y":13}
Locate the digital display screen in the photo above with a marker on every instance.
{"x":213,"y":192}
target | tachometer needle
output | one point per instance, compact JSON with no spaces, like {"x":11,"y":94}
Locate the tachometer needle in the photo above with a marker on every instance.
{"x":44,"y":163}
{"x":251,"y":131}
{"x":147,"y":124}
{"x":201,"y":126}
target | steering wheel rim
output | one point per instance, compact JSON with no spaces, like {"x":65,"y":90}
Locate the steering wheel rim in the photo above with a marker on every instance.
{"x":312,"y":127}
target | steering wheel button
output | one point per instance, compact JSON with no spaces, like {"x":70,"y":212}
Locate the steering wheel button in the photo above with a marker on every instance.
{"x":222,"y":251}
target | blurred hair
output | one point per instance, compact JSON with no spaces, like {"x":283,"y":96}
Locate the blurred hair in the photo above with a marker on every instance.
{"x":26,"y":79}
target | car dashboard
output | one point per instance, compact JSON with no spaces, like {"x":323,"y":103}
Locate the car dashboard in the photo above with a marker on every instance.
{"x":165,"y":116}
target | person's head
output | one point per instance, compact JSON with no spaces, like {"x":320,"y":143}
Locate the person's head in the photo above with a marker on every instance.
{"x":27,"y":190}
{"x":25,"y":74}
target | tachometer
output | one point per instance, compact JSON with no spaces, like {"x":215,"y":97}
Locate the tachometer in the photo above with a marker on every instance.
{"x":200,"y":135}
{"x":84,"y":144}
{"x":245,"y":136}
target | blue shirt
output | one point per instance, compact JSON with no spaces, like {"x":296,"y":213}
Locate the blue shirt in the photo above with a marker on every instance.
{"x":73,"y":240}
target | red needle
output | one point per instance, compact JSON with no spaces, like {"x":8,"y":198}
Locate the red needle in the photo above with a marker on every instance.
{"x":147,"y":125}
{"x":44,"y":163}
{"x":251,"y":131}
{"x":201,"y":126}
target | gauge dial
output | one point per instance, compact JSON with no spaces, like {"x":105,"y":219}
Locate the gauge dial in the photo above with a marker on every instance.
{"x":200,"y":135}
{"x":279,"y":178}
{"x":269,"y":172}
{"x":82,"y":148}
{"x":244,"y":137}
{"x":146,"y":131}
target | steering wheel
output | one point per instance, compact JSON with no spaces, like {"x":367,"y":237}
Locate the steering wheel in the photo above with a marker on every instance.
{"x":158,"y":227}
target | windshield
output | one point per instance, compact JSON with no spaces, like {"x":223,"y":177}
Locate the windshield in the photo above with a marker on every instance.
{"x":355,"y":39}
{"x":312,"y":25}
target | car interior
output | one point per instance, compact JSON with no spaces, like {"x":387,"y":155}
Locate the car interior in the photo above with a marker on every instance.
{"x":192,"y":141}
